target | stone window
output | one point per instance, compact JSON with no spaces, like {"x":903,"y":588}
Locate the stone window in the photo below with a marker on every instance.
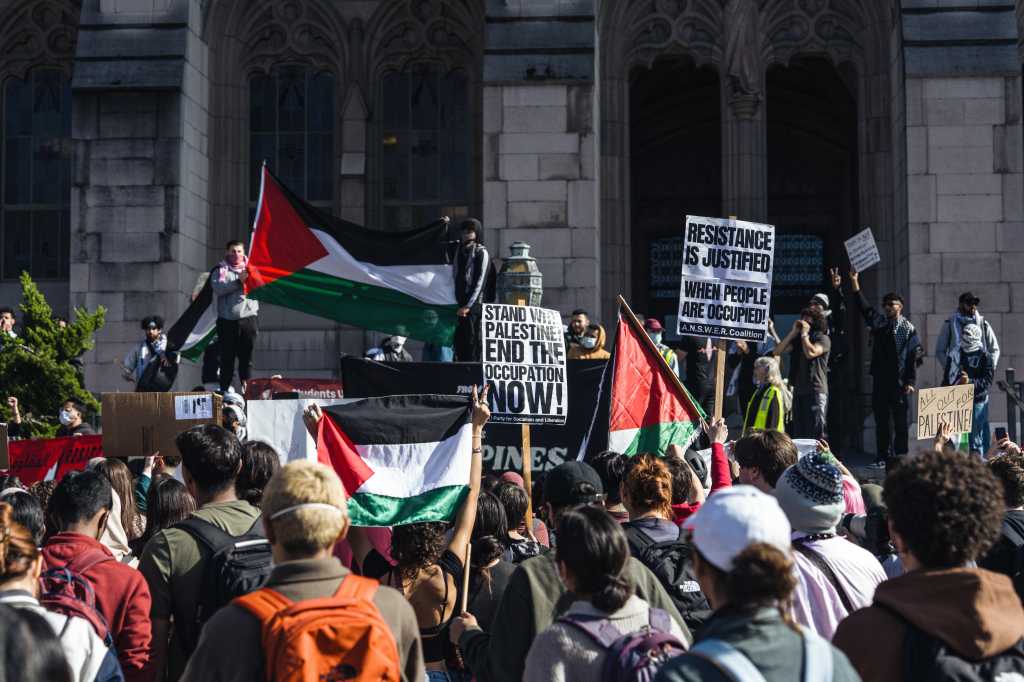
{"x":426,"y":137}
{"x":291,"y":126}
{"x":35,"y":233}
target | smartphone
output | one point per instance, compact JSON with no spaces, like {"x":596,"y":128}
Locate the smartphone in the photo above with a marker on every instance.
{"x":1000,"y":433}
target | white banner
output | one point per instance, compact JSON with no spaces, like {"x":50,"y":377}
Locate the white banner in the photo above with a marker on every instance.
{"x":279,"y":424}
{"x":524,"y":364}
{"x":726,"y":288}
{"x":862,"y":250}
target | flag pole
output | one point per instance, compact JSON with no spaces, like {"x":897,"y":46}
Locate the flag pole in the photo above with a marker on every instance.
{"x":633,"y":321}
{"x":527,"y":464}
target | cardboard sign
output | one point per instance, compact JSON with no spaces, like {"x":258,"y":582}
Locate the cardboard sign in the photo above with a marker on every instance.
{"x":5,"y":460}
{"x":279,"y":424}
{"x":726,"y":288}
{"x":953,"y":405}
{"x":139,"y":424}
{"x":863,"y":251}
{"x":266,"y":389}
{"x":524,"y":364}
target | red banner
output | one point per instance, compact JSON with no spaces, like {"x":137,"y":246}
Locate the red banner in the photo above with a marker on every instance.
{"x":31,"y":460}
{"x":264,"y":389}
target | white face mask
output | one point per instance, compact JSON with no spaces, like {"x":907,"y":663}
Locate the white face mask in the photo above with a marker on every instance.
{"x":588,"y":342}
{"x":65,"y":417}
{"x":655,"y":337}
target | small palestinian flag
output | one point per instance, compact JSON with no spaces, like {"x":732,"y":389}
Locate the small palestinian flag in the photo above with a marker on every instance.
{"x":196,"y":328}
{"x":402,"y":459}
{"x":649,"y":412}
{"x":393,"y":282}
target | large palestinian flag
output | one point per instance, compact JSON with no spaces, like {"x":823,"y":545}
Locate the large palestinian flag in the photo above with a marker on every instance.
{"x":649,"y":412}
{"x":402,"y":459}
{"x":196,"y":328}
{"x":393,"y":282}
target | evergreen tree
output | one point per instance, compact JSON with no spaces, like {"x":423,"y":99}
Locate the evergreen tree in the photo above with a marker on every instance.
{"x":37,"y":366}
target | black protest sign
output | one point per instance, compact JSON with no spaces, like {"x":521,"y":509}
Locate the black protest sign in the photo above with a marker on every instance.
{"x":550,"y":444}
{"x":727,"y":278}
{"x":524,"y":364}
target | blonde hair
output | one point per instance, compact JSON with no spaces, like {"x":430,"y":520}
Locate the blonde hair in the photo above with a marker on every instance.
{"x":307,"y":530}
{"x":771,"y":367}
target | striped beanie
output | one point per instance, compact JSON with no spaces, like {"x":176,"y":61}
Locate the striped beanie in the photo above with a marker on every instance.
{"x":811,"y":494}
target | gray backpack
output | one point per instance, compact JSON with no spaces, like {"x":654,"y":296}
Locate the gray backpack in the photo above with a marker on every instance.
{"x":738,"y":668}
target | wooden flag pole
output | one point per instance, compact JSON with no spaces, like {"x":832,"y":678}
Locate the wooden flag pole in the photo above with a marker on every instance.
{"x":527,"y":465}
{"x":721,"y":351}
{"x":465,"y":578}
{"x":633,"y":321}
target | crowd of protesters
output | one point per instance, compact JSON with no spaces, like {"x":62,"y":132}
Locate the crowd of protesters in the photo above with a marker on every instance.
{"x":764,"y":564}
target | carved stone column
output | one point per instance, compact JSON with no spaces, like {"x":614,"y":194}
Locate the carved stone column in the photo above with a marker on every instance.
{"x":744,"y":124}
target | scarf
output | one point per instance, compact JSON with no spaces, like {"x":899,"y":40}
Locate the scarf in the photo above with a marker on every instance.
{"x":224,"y":267}
{"x":903,"y":331}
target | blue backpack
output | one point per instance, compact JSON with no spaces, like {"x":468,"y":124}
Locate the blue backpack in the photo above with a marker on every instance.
{"x":635,"y":656}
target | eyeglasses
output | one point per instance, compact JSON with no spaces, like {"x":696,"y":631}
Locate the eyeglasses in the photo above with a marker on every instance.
{"x":892,"y":304}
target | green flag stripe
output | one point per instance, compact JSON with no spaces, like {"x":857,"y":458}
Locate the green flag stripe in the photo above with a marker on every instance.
{"x":658,"y":437}
{"x":195,"y":352}
{"x":361,"y":305}
{"x":439,"y":504}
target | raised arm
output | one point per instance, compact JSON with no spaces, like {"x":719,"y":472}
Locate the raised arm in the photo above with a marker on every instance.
{"x":721,"y":477}
{"x":872,"y":317}
{"x":466,"y":516}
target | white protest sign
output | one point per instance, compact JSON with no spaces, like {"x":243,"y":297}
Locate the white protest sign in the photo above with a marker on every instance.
{"x":524,"y":364}
{"x":193,"y":406}
{"x":953,"y":405}
{"x":279,"y":424}
{"x":726,"y":287}
{"x":862,"y":250}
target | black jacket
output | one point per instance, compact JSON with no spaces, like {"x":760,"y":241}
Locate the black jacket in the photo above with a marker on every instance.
{"x":980,"y":371}
{"x":472,"y":268}
{"x":889,"y":365}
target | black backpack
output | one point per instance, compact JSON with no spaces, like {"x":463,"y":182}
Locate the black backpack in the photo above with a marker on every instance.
{"x":234,"y":566}
{"x":928,"y":659}
{"x":671,"y":563}
{"x":1011,"y":542}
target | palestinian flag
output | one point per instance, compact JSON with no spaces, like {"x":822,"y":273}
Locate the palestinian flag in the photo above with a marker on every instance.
{"x":648,"y":412}
{"x":402,"y":459}
{"x":196,"y":328}
{"x":393,"y":282}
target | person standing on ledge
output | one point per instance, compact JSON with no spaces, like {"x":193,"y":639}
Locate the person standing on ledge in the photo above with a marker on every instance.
{"x":472,"y":271}
{"x":236,"y":315}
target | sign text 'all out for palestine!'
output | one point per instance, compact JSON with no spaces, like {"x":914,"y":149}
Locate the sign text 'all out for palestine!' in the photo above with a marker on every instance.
{"x":726,"y":288}
{"x":524,"y":364}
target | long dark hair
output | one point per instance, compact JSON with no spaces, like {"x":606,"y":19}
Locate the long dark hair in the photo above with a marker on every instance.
{"x":167,"y":502}
{"x":593,"y":548}
{"x":490,"y":534}
{"x":120,"y":477}
{"x":762,"y":575}
{"x":259,"y":464}
{"x":29,"y":649}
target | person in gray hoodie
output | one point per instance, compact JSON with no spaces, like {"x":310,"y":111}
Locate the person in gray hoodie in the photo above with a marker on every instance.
{"x":236,"y":314}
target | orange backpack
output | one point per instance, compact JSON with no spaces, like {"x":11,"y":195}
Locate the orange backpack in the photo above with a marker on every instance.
{"x":331,"y":639}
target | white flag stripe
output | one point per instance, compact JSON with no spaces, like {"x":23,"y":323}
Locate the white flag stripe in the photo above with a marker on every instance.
{"x":410,"y":469}
{"x":431,"y":284}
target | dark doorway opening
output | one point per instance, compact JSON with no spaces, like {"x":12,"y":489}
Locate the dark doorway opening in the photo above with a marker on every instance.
{"x":676,"y":169}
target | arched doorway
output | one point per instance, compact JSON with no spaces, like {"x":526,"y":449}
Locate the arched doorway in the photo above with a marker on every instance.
{"x":675,"y":169}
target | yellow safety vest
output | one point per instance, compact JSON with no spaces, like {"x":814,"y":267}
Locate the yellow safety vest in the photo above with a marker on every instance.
{"x":762,"y":408}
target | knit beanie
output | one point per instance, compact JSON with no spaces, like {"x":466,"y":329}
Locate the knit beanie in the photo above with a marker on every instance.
{"x":811,"y":494}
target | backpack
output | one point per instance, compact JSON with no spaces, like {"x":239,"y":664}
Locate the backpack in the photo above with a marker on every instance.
{"x":342,"y":637}
{"x":671,"y":563}
{"x":519,"y":551}
{"x":735,"y":666}
{"x":234,"y":566}
{"x":67,"y":592}
{"x":1013,"y":539}
{"x":635,"y":656}
{"x":928,"y":659}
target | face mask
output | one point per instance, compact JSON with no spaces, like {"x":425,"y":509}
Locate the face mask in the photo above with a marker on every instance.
{"x":234,"y":258}
{"x":656,"y":337}
{"x":398,"y":341}
{"x":588,"y":342}
{"x":65,"y":417}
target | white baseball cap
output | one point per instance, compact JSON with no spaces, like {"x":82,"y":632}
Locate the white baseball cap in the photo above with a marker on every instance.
{"x":735,"y":518}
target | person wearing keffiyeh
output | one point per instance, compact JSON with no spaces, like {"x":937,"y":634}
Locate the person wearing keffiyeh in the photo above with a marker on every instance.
{"x":896,"y":353}
{"x":236,"y":315}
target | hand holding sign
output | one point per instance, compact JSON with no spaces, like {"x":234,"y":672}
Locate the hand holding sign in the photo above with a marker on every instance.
{"x":862,"y":250}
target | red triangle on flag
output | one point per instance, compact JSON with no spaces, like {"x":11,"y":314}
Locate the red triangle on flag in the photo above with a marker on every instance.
{"x":282,"y":242}
{"x":335,"y":449}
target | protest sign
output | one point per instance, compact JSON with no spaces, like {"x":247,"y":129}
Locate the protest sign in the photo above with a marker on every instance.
{"x":953,"y":405}
{"x":51,"y":458}
{"x":267,"y":389}
{"x":5,"y":461}
{"x":550,"y":444}
{"x":862,"y":250}
{"x":279,"y":424}
{"x":727,"y":278}
{"x":139,"y":424}
{"x":524,"y":364}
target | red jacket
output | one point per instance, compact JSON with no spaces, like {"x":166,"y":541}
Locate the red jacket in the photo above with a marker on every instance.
{"x":721,"y":477}
{"x":122,"y":596}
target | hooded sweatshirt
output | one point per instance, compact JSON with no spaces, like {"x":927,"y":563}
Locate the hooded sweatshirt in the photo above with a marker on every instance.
{"x":974,"y":612}
{"x":122,"y":596}
{"x":578,"y":352}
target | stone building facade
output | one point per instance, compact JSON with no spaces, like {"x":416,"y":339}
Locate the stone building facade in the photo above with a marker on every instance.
{"x":589,"y":128}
